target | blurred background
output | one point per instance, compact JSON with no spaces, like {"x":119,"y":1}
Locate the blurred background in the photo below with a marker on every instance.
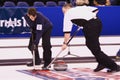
{"x":30,"y":2}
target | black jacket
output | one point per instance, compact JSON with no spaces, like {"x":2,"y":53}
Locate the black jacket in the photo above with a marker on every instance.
{"x":38,"y":26}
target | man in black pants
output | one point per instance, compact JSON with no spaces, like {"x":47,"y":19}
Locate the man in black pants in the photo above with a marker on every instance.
{"x":40,"y":27}
{"x":85,"y":16}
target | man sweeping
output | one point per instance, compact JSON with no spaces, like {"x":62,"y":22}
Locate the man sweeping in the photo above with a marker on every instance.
{"x":40,"y":27}
{"x":86,"y":16}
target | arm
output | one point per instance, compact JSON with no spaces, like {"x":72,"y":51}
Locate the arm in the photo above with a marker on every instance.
{"x":67,"y":27}
{"x":66,"y":38}
{"x":27,"y":19}
{"x":29,"y":22}
{"x":38,"y":36}
{"x":38,"y":32}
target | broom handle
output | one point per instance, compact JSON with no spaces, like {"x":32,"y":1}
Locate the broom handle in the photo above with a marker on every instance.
{"x":66,"y":44}
{"x":33,"y":51}
{"x":54,"y":59}
{"x":73,"y":35}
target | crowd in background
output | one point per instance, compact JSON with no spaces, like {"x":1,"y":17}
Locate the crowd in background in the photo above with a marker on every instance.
{"x":30,"y":2}
{"x":109,"y":2}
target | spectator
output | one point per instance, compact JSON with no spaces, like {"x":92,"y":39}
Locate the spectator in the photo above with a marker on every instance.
{"x":101,"y":2}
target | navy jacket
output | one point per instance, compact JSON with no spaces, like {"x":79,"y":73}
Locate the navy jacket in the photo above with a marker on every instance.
{"x":38,"y":26}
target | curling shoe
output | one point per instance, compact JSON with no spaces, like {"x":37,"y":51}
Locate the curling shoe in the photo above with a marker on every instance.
{"x":31,"y":63}
{"x":45,"y":68}
{"x":99,"y":67}
{"x":116,"y":70}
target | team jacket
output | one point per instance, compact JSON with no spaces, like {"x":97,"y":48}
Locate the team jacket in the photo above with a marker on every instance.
{"x":38,"y":26}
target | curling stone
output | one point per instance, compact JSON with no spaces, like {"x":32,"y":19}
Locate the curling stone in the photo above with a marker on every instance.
{"x":60,"y":65}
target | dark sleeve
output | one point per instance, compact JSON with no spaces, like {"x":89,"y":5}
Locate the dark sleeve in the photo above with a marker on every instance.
{"x":27,"y":19}
{"x":37,"y":33}
{"x":29,"y":22}
{"x":38,"y":36}
{"x":39,"y":29}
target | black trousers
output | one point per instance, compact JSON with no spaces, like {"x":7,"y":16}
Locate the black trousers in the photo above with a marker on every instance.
{"x":46,"y":45}
{"x":92,"y":30}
